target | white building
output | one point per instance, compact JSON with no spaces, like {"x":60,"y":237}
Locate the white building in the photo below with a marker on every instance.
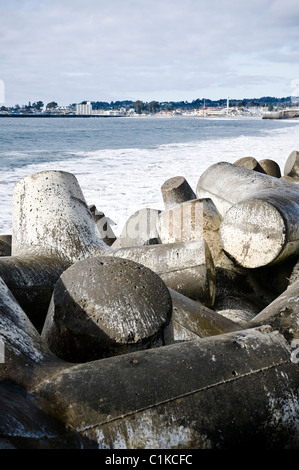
{"x":84,"y":108}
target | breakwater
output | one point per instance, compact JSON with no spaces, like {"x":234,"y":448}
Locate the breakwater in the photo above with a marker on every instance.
{"x":180,"y":333}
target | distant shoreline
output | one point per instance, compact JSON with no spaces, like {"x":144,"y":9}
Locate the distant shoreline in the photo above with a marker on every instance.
{"x":141,"y":116}
{"x":56,"y":116}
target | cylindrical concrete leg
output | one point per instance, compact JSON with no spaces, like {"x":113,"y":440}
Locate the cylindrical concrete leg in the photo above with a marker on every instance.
{"x":282,"y":314}
{"x":140,"y":229}
{"x":31,"y":280}
{"x":227,"y":184}
{"x":176,"y":190}
{"x":270,"y":167}
{"x":291,"y":167}
{"x":250,"y":163}
{"x":191,"y":320}
{"x":161,"y":398}
{"x":51,"y":218}
{"x":191,"y":220}
{"x":104,"y":306}
{"x":186,"y":267}
{"x":262,"y":230}
{"x":26,"y":356}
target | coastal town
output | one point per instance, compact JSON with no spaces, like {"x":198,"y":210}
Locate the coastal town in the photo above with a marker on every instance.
{"x":261,"y":107}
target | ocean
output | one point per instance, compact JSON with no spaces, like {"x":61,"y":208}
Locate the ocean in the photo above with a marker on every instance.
{"x":121,"y":163}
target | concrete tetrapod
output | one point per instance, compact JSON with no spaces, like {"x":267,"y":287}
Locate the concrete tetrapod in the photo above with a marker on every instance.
{"x":282,"y":314}
{"x":260,"y":222}
{"x":185,"y":267}
{"x":27,"y":361}
{"x":103,"y":306}
{"x":161,"y":398}
{"x":51,"y":218}
{"x":156,"y":398}
{"x":175,"y":191}
{"x":227,"y":184}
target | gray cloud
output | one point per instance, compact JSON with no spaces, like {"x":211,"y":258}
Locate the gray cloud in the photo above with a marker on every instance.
{"x":70,"y":50}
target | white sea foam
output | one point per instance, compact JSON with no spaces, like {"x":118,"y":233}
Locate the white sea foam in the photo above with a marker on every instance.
{"x":122,"y":181}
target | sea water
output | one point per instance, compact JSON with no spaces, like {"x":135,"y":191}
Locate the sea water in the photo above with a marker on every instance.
{"x":121,"y":163}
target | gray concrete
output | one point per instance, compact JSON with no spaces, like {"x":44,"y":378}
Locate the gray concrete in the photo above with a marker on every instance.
{"x":192,"y":320}
{"x":250,"y":163}
{"x":140,"y":229}
{"x":185,"y":267}
{"x":27,"y":357}
{"x":227,"y":184}
{"x":51,"y":218}
{"x":188,"y":221}
{"x":260,"y":214}
{"x":154,"y":399}
{"x":175,"y":191}
{"x":238,"y":308}
{"x":232,"y":391}
{"x":104,"y":306}
{"x":282,"y":314}
{"x":31,"y":280}
{"x":270,"y":167}
{"x":262,"y":230}
{"x":291,"y":167}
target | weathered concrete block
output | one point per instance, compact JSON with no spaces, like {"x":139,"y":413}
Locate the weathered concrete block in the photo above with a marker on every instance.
{"x":51,"y":218}
{"x":282,"y":314}
{"x":175,"y":191}
{"x":270,"y":167}
{"x":291,"y":167}
{"x":260,"y":214}
{"x":261,"y":231}
{"x":103,"y":224}
{"x":103,"y":306}
{"x":185,"y":267}
{"x":250,"y":163}
{"x":140,"y":229}
{"x":5,"y":245}
{"x":192,"y":220}
{"x":237,"y":308}
{"x":161,"y":398}
{"x":227,"y":184}
{"x":156,"y":398}
{"x":192,"y":320}
{"x":26,"y":356}
{"x":31,"y":280}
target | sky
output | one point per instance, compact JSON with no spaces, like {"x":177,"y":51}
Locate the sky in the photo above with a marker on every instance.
{"x":165,"y":50}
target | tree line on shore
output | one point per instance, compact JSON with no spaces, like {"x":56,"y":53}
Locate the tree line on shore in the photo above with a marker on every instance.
{"x":156,"y":106}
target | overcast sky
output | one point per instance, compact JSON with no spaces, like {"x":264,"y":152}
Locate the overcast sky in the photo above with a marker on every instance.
{"x":107,"y":50}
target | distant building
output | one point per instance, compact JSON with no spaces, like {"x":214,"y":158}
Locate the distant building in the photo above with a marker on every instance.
{"x":84,"y":108}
